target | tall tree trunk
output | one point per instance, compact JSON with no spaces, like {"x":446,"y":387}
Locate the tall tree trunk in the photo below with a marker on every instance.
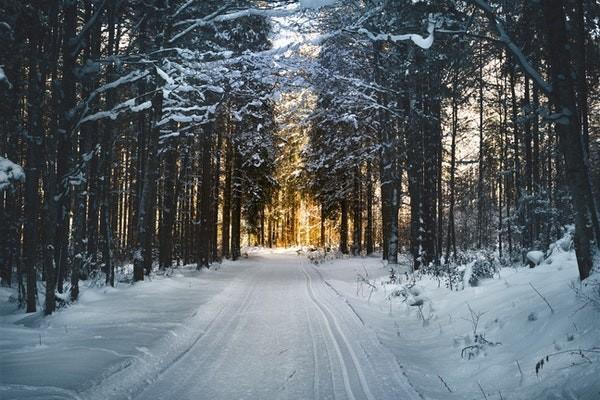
{"x":205,"y":198}
{"x":369,"y":229}
{"x":106,"y":160}
{"x":33,"y":167}
{"x":517,"y":178}
{"x":52,"y":192}
{"x":357,"y":214}
{"x":527,"y":137}
{"x":322,"y":227}
{"x":146,"y":217}
{"x":451,"y":236}
{"x":481,"y":153}
{"x":569,"y":134}
{"x":344,"y":226}
{"x":226,"y":220}
{"x":169,"y":207}
{"x":216,"y":188}
{"x":236,"y":206}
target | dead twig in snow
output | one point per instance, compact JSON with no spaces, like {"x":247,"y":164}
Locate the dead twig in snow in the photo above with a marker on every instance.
{"x":543,"y":298}
{"x":482,"y":391}
{"x":520,"y":370}
{"x":445,"y":384}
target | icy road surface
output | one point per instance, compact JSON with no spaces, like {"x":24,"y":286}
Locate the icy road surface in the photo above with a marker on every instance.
{"x":283,"y":334}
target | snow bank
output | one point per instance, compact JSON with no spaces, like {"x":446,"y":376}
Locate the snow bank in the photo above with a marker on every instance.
{"x":316,"y":4}
{"x":76,"y":351}
{"x":535,"y":257}
{"x":492,"y":337}
{"x":10,"y":173}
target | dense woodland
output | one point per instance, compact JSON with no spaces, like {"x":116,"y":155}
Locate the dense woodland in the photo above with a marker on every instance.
{"x":166,"y":132}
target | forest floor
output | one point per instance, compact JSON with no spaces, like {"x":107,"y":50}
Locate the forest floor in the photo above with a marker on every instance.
{"x":275,"y":326}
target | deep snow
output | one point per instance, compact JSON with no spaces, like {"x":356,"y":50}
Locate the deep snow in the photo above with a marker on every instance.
{"x":275,"y":326}
{"x":429,"y":339}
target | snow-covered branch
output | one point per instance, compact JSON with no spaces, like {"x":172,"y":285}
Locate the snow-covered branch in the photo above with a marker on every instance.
{"x":10,"y":173}
{"x":219,"y":16}
{"x":511,"y":46}
{"x":79,"y":40}
{"x":126,"y":106}
{"x":129,"y":78}
{"x":3,"y":78}
{"x":419,"y":40}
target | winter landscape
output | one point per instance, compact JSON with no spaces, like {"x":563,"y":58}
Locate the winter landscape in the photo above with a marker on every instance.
{"x":299,"y":199}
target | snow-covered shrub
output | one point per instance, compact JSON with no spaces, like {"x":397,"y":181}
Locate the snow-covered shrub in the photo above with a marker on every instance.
{"x":363,"y":281}
{"x":10,"y":173}
{"x":319,"y":256}
{"x":588,"y":291}
{"x":564,"y":244}
{"x":480,"y":343}
{"x":410,"y":293}
{"x":467,"y":269}
{"x":453,"y":276}
{"x":485,"y":266}
{"x":535,"y":258}
{"x":393,"y":278}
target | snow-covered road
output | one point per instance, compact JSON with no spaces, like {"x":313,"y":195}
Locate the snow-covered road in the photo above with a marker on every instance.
{"x":274,"y":326}
{"x":284,"y":334}
{"x":266,"y":327}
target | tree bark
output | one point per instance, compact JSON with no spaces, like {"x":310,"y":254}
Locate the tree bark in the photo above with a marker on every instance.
{"x":567,"y":127}
{"x":344,"y":226}
{"x":236,"y":206}
{"x":226,"y":220}
{"x":369,"y":229}
{"x":357,"y":214}
{"x":205,"y":199}
{"x":169,"y":207}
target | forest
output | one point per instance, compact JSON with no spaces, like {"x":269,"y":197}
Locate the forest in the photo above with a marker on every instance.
{"x":169,"y":132}
{"x":141,"y":136}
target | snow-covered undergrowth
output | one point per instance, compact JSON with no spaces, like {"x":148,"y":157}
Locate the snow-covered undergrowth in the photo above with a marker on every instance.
{"x":10,"y":173}
{"x":527,"y":333}
{"x":107,"y":330}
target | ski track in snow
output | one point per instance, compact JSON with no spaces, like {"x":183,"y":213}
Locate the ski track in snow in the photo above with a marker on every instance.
{"x":277,"y":330}
{"x":330,"y":321}
{"x":281,"y":333}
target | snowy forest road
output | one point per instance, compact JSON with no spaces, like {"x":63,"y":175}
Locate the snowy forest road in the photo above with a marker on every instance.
{"x":283,"y":335}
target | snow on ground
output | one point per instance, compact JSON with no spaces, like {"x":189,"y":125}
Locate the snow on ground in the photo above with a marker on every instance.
{"x":108,"y":330}
{"x":266,"y":327}
{"x":427,"y":337}
{"x":275,"y":326}
{"x":316,"y":4}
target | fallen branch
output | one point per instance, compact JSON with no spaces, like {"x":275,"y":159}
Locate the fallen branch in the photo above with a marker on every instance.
{"x":543,"y":298}
{"x":445,"y":384}
{"x":574,"y":352}
{"x":520,"y":370}
{"x":482,"y":391}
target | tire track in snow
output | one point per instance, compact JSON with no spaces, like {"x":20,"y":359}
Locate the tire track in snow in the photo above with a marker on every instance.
{"x":332,"y":325}
{"x":228,"y":334}
{"x":209,"y":347}
{"x":330,"y":362}
{"x":132,"y":379}
{"x":45,"y":392}
{"x":314,"y":355}
{"x":393,"y":364}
